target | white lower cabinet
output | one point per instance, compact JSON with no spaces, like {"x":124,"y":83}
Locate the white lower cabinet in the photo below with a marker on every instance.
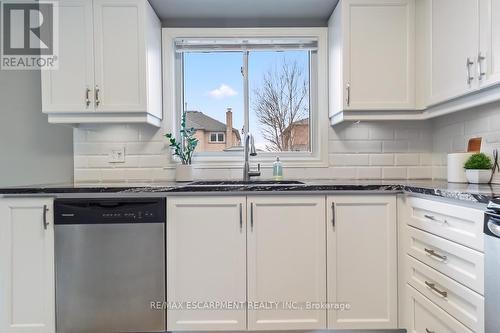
{"x":362,"y":261}
{"x":426,"y":317}
{"x":288,"y":258}
{"x":206,"y":262}
{"x":27,"y":291}
{"x":286,"y":261}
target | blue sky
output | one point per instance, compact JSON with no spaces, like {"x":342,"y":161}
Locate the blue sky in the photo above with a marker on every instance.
{"x":213,"y":82}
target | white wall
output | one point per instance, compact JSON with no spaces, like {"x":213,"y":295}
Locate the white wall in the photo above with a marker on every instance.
{"x":31,"y":150}
{"x":452,"y":132}
{"x":377,"y":150}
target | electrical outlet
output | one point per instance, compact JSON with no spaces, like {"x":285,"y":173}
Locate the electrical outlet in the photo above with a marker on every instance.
{"x":117,"y":155}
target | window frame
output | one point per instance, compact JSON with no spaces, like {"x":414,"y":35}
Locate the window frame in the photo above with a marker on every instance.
{"x":217,"y":137}
{"x":319,"y":124}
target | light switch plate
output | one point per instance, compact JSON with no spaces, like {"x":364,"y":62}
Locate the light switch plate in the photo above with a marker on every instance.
{"x":117,"y":155}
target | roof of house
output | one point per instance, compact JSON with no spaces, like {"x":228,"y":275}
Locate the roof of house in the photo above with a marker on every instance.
{"x":200,"y":121}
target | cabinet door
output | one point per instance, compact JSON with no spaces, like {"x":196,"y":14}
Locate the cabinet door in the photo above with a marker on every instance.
{"x":120,"y":78}
{"x":454,"y":41}
{"x":489,"y":48}
{"x":379,"y":65}
{"x":362,"y":261}
{"x":286,"y":262}
{"x":206,"y":262}
{"x":69,"y":89}
{"x":27,"y":288}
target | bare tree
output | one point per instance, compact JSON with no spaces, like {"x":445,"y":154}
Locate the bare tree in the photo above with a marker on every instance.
{"x":279,"y":102}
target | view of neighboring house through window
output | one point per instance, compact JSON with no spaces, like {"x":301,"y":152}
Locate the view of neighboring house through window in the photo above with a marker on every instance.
{"x":233,"y":85}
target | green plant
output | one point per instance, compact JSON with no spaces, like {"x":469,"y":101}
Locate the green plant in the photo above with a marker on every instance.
{"x":478,"y":161}
{"x":185,"y":148}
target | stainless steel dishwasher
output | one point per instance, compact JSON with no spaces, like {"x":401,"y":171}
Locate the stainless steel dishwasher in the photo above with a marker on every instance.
{"x":492,"y":266}
{"x":110,"y":265}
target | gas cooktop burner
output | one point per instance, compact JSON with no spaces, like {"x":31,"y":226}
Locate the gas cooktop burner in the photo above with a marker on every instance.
{"x":494,"y":205}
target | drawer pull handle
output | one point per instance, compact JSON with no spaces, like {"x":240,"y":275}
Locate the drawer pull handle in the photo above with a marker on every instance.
{"x":433,"y":287}
{"x":428,"y":331}
{"x":433,"y":253}
{"x":433,"y":218}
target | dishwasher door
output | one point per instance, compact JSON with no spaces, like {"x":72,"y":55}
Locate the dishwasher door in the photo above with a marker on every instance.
{"x":107,"y":275}
{"x":492,"y":272}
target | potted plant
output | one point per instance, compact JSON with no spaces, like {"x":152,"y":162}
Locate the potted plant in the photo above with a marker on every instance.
{"x":184,"y":150}
{"x":478,"y":169}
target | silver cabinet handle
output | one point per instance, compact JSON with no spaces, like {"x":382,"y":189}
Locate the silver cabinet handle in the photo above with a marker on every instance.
{"x":45,"y":222}
{"x":433,"y":287}
{"x":430,"y":217}
{"x":428,"y":331}
{"x":348,"y":91}
{"x":97,"y":100}
{"x":333,"y":214}
{"x":251,"y":216}
{"x":87,"y":97}
{"x":433,"y":253}
{"x":480,"y":60}
{"x":241,"y":217}
{"x":468,"y":64}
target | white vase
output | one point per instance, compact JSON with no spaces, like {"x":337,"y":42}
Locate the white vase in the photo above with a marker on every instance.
{"x":183,"y":173}
{"x":478,"y":176}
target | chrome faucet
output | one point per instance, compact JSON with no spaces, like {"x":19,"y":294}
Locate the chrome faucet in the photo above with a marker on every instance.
{"x":249,"y":150}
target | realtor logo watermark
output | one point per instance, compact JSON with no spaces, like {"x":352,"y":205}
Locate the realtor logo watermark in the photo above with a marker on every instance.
{"x":29,"y":35}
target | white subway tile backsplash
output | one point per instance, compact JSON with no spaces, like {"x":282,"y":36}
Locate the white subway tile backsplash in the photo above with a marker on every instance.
{"x":395,"y":146}
{"x":407,"y":159}
{"x":355,"y":146}
{"x":382,"y":159}
{"x":394,"y":173}
{"x":349,"y":159}
{"x":420,"y":172}
{"x":369,"y":173}
{"x":366,"y":150}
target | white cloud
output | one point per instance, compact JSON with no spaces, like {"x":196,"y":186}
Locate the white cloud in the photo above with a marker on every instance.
{"x":223,"y":91}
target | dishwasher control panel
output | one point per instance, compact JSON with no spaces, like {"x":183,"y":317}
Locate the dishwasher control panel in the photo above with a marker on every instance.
{"x":110,"y":210}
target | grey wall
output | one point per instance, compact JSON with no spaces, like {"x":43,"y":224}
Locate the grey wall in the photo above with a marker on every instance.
{"x":32,"y":151}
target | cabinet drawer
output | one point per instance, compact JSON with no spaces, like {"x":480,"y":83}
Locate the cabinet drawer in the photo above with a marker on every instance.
{"x":425,"y":316}
{"x":456,"y":261}
{"x":459,"y":301}
{"x":460,"y":224}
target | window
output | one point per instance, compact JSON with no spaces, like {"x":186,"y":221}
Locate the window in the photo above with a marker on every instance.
{"x":271,"y":82}
{"x":217,"y":138}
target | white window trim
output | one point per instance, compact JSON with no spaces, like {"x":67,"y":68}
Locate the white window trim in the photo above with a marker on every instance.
{"x":217,"y":137}
{"x":319,"y":123}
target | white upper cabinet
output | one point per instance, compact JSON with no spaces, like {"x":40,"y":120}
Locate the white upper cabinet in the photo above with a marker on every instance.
{"x":372,"y":55}
{"x":206,"y":261}
{"x":110,"y":64}
{"x":489,"y":43}
{"x":454,"y":48}
{"x":27,"y":288}
{"x":362,"y":261}
{"x":70,"y":88}
{"x":286,"y":261}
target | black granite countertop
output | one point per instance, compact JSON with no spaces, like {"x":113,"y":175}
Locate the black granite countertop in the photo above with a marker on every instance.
{"x":465,"y":192}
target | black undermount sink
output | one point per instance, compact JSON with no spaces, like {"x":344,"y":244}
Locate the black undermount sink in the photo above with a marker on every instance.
{"x":242,"y":182}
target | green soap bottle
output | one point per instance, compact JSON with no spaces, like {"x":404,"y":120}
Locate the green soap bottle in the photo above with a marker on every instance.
{"x":278,"y":169}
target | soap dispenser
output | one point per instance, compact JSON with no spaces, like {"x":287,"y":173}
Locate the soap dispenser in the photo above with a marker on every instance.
{"x":277,"y":169}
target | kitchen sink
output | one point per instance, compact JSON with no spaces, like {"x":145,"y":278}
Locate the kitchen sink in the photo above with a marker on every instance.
{"x":242,"y":182}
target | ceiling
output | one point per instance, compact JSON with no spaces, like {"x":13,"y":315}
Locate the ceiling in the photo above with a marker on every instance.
{"x":243,"y":13}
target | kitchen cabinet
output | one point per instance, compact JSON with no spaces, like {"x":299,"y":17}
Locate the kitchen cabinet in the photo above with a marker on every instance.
{"x":109,"y":64}
{"x":441,"y":266}
{"x":206,"y":261}
{"x":27,"y":288}
{"x":489,"y":43}
{"x":453,"y":58}
{"x":371,"y":48}
{"x":362,"y":261}
{"x":286,"y":261}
